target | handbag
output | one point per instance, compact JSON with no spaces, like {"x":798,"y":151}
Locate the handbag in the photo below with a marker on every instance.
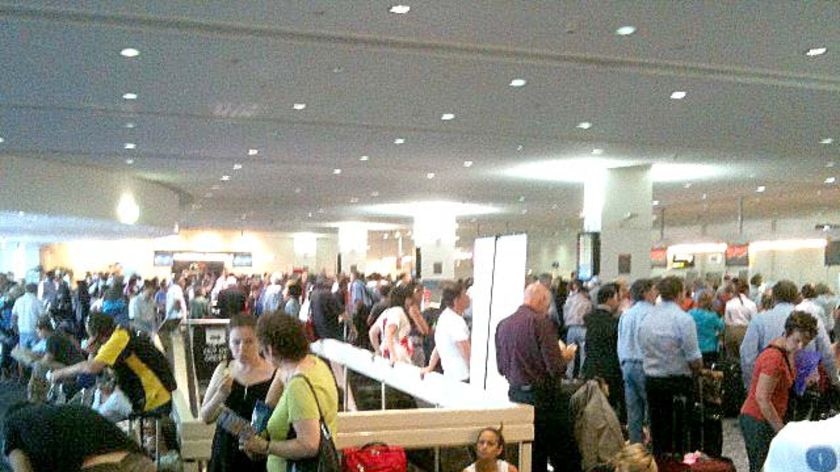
{"x":375,"y":457}
{"x":327,"y":458}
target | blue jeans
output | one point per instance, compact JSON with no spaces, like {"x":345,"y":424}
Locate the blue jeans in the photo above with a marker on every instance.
{"x":576,"y":334}
{"x":757,"y":438}
{"x":636,"y":399}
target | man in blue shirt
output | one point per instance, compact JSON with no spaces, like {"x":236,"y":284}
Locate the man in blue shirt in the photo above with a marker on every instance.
{"x":630,"y":356}
{"x":668,"y":338}
{"x":771,"y":324}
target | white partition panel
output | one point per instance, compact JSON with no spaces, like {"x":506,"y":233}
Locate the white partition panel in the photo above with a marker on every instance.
{"x":499,"y":277}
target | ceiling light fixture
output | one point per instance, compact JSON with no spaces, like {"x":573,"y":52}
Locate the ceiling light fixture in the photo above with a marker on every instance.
{"x":655,"y":203}
{"x":625,"y":30}
{"x":364,"y":158}
{"x":299,"y":106}
{"x":447,"y":116}
{"x":253,"y":152}
{"x":129,"y":96}
{"x":400,"y":9}
{"x":597,"y":152}
{"x":430,"y":175}
{"x":761,"y":189}
{"x":336,"y":171}
{"x":678,"y":95}
{"x":237,"y":166}
{"x":130,"y":125}
{"x":129,"y":161}
{"x":518,"y":82}
{"x":399,"y":141}
{"x":225,"y":178}
{"x":130,"y":146}
{"x":584,"y":125}
{"x":2,"y":140}
{"x":831,"y":180}
{"x":468,"y":163}
{"x":826,"y":141}
{"x":129,"y":52}
{"x":813,"y":52}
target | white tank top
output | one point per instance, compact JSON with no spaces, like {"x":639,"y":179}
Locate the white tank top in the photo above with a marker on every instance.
{"x":501,"y":466}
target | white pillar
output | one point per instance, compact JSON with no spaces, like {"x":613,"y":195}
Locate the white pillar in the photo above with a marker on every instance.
{"x":435,"y":235}
{"x":353,"y":246}
{"x":626,"y":222}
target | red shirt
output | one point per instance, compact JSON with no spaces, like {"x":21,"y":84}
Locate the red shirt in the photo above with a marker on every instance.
{"x":770,"y":362}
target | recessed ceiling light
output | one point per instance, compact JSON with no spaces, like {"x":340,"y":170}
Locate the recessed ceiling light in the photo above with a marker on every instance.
{"x":130,"y":96}
{"x":130,"y":125}
{"x":815,"y":52}
{"x":584,"y":125}
{"x":655,"y":202}
{"x":130,"y":146}
{"x":625,"y":30}
{"x":518,"y":82}
{"x":447,"y":116}
{"x":297,"y":190}
{"x":678,"y":95}
{"x":826,"y":141}
{"x":520,"y":147}
{"x":597,"y":152}
{"x":129,"y":161}
{"x":831,"y":180}
{"x":129,"y":52}
{"x":253,"y":152}
{"x":468,"y":163}
{"x":364,"y":158}
{"x":2,"y":140}
{"x":430,"y":175}
{"x":399,"y":141}
{"x":299,"y":106}
{"x":761,"y":189}
{"x":336,"y":171}
{"x":374,"y":194}
{"x":225,"y":178}
{"x":237,"y":166}
{"x":400,"y":9}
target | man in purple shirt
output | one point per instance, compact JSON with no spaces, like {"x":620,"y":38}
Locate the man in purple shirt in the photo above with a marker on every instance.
{"x":529,"y":357}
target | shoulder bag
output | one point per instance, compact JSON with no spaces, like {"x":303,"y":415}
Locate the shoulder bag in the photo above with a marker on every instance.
{"x":327,"y":458}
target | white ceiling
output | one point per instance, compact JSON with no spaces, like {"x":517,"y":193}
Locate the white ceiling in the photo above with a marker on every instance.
{"x":216,"y":79}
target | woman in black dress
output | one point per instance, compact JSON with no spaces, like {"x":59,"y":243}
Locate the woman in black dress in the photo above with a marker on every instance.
{"x":237,"y":385}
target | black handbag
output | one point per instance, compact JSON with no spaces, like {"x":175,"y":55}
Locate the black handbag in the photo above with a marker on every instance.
{"x":327,"y":459}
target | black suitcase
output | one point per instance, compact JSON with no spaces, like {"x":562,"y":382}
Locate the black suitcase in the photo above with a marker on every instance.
{"x":704,"y":424}
{"x":732,"y":392}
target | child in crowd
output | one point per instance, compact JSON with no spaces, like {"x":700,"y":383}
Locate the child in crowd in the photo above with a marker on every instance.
{"x":490,"y":450}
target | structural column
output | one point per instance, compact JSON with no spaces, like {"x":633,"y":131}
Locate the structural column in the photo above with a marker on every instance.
{"x":624,"y":221}
{"x":435,"y":235}
{"x":353,"y":246}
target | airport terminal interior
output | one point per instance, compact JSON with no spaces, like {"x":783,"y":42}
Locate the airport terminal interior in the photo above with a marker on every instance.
{"x":201,"y":160}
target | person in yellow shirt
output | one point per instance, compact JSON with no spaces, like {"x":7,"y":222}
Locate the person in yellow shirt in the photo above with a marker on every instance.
{"x":143,"y":373}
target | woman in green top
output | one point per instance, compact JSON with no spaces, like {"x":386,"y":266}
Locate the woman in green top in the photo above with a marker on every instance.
{"x":293,"y":429}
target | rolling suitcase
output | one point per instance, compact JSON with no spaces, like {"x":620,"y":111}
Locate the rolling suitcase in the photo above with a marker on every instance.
{"x":733,"y":393}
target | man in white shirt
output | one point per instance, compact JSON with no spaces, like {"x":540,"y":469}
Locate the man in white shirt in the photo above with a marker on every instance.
{"x":141,"y":309}
{"x":25,"y":313}
{"x":176,"y":305}
{"x":452,"y":337}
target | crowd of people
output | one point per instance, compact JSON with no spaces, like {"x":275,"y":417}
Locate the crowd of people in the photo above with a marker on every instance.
{"x":581,"y":354}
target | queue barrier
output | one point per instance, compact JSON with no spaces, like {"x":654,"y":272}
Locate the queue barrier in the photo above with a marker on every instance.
{"x":459,"y":410}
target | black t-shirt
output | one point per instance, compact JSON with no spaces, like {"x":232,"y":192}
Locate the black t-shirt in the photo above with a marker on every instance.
{"x":63,"y":350}
{"x":60,"y":438}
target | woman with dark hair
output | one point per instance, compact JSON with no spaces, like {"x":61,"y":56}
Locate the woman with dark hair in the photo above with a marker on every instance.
{"x":762,"y":415}
{"x":237,"y":384}
{"x":309,"y":394}
{"x":419,"y":327}
{"x":389,"y":334}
